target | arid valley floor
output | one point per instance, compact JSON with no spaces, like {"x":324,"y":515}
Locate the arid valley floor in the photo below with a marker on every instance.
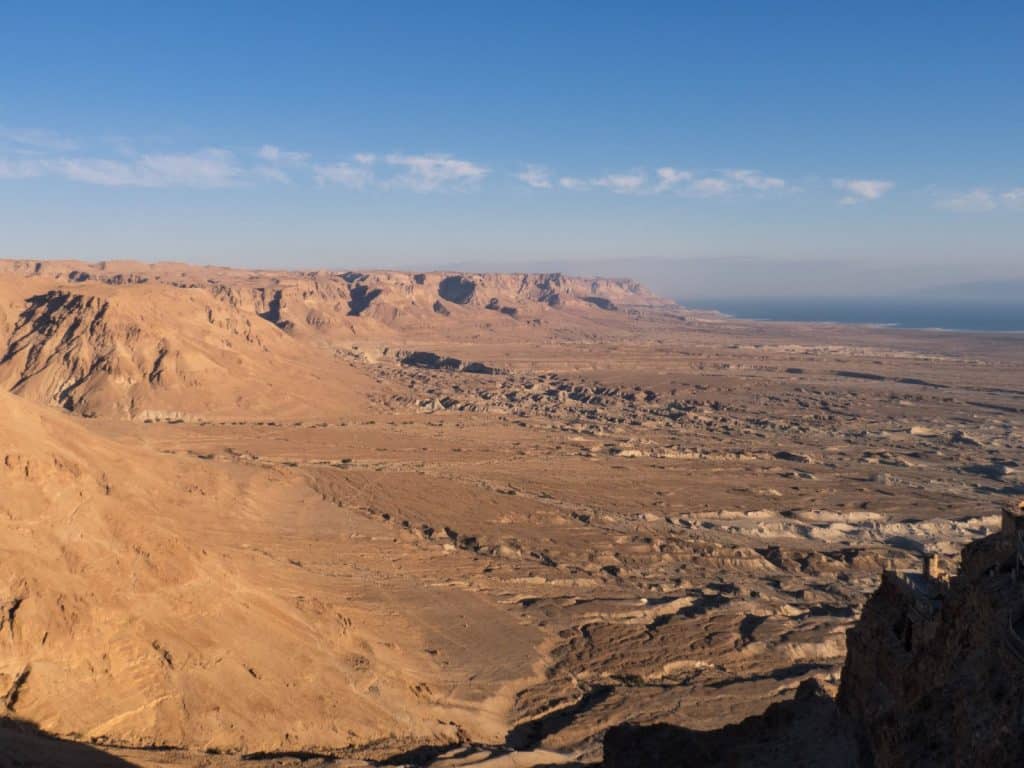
{"x":354,"y":518}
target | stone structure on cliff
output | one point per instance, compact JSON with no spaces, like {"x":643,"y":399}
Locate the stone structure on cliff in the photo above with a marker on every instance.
{"x":1013,"y":530}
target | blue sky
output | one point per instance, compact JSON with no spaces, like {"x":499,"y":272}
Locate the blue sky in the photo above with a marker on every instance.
{"x":516,"y":134}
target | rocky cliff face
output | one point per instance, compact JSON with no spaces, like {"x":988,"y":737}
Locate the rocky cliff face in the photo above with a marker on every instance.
{"x":156,"y":352}
{"x":934,"y":675}
{"x":367,"y":304}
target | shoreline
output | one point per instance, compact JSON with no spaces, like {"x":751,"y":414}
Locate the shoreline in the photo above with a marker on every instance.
{"x":719,"y":307}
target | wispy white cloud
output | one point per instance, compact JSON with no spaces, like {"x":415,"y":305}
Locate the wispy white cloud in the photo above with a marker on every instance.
{"x":976,"y":200}
{"x":622,"y":183}
{"x":28,"y":154}
{"x":571,"y":182}
{"x":37,"y":141}
{"x":272,"y":173}
{"x":19,"y":168}
{"x":273,"y":154}
{"x":278,"y":163}
{"x":425,"y":173}
{"x":755,"y":180}
{"x":1014,"y":198}
{"x":91,"y":170}
{"x":536,"y":176}
{"x":669,"y":177}
{"x":207,"y":168}
{"x":859,"y":190}
{"x":345,"y":174}
{"x":709,"y":187}
{"x":981,"y":200}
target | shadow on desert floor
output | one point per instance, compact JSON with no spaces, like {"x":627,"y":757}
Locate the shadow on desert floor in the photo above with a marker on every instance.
{"x":22,"y":744}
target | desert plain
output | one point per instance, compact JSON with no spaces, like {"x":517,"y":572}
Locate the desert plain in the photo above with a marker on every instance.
{"x":364,"y":518}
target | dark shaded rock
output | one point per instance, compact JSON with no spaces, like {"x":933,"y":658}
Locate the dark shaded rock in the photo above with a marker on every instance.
{"x":994,"y":471}
{"x":804,"y":731}
{"x":601,"y":302}
{"x":456,"y":289}
{"x":432,"y":361}
{"x":860,"y":375}
{"x":437,"y":362}
{"x":789,"y":456}
{"x":479,"y":368}
{"x":361,"y":298}
{"x":273,"y":313}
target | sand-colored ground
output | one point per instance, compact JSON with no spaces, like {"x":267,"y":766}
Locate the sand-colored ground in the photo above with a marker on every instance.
{"x":238,"y":516}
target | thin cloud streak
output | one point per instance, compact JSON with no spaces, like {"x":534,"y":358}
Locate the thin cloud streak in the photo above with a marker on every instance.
{"x":622,"y":183}
{"x":983,"y":200}
{"x":37,"y":141}
{"x":571,"y":182}
{"x":709,"y":187}
{"x":669,"y":177}
{"x":277,"y":160}
{"x":1013,"y":198}
{"x":425,"y":173}
{"x":755,"y":180}
{"x":205,"y":169}
{"x":345,"y":174}
{"x":535,"y":176}
{"x":860,"y":190}
{"x":666,"y":179}
{"x":19,"y":169}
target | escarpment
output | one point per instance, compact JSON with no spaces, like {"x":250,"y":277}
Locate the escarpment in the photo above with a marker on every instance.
{"x":362,"y":304}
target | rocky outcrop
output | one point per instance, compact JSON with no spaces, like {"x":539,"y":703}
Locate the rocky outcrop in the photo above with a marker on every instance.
{"x":97,"y":354}
{"x":151,"y":352}
{"x":934,"y":673}
{"x":68,"y":349}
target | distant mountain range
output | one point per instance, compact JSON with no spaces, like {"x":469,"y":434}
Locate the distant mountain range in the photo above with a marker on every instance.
{"x":689,"y":279}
